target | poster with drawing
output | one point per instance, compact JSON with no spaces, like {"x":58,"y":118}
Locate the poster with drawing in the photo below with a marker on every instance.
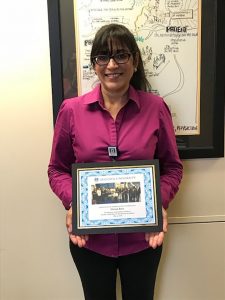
{"x":168,"y":34}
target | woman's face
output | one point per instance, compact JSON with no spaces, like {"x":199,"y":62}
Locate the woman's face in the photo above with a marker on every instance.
{"x":115,"y":77}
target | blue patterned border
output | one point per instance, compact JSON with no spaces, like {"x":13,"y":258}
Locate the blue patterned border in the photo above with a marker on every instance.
{"x":148,"y":190}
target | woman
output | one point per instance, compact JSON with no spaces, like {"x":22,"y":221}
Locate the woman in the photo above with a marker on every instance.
{"x":118,"y":112}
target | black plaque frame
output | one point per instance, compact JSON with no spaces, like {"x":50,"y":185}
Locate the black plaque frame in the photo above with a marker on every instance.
{"x":115,"y":170}
{"x":210,"y":142}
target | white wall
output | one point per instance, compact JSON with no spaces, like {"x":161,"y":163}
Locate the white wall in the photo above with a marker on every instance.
{"x":34,"y":259}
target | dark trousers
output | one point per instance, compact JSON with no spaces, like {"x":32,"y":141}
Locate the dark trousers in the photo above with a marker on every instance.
{"x":98,"y":273}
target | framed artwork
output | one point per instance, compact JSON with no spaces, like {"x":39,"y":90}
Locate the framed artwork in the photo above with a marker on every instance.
{"x":117,"y":196}
{"x":196,"y":28}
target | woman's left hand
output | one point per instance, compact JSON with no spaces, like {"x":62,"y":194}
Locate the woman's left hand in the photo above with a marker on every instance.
{"x":155,"y":239}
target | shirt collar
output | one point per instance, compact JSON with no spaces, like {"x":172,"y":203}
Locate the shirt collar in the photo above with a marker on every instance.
{"x":96,"y":96}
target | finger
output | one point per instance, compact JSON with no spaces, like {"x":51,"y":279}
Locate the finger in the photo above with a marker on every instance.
{"x":73,"y":238}
{"x":153,"y":240}
{"x":150,"y":238}
{"x":81,"y":241}
{"x":165,"y":225}
{"x":165,"y":220}
{"x":69,"y":228}
{"x":147,"y":236}
{"x":165,"y":228}
{"x":160,"y":238}
{"x":69,"y":220}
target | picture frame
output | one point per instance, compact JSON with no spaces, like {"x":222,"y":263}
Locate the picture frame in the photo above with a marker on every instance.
{"x":210,"y":142}
{"x":116,"y":197}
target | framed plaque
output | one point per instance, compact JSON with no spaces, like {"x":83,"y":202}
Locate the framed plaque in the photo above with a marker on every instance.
{"x":115,"y":197}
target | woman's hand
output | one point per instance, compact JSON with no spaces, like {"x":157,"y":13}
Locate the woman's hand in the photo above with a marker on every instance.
{"x":79,"y":240}
{"x":155,"y":239}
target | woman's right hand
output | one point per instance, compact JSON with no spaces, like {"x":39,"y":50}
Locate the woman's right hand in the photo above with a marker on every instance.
{"x":79,"y":240}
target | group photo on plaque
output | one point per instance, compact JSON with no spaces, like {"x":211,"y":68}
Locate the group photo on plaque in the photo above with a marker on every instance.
{"x":119,"y":192}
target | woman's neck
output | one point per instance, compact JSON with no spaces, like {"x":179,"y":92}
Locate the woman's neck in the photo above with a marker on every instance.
{"x":114,"y":102}
{"x":114,"y":98}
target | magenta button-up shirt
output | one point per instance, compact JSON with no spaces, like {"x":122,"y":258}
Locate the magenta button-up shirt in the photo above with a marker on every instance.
{"x":142,"y":130}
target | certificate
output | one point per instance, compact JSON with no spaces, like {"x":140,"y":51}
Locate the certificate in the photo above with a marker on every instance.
{"x":116,"y":197}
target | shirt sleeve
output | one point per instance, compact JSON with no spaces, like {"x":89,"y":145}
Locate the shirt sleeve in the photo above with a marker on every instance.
{"x":62,"y":156}
{"x":171,"y":169}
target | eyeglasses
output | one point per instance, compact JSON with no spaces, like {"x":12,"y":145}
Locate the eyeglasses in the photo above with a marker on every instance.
{"x":119,"y":58}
